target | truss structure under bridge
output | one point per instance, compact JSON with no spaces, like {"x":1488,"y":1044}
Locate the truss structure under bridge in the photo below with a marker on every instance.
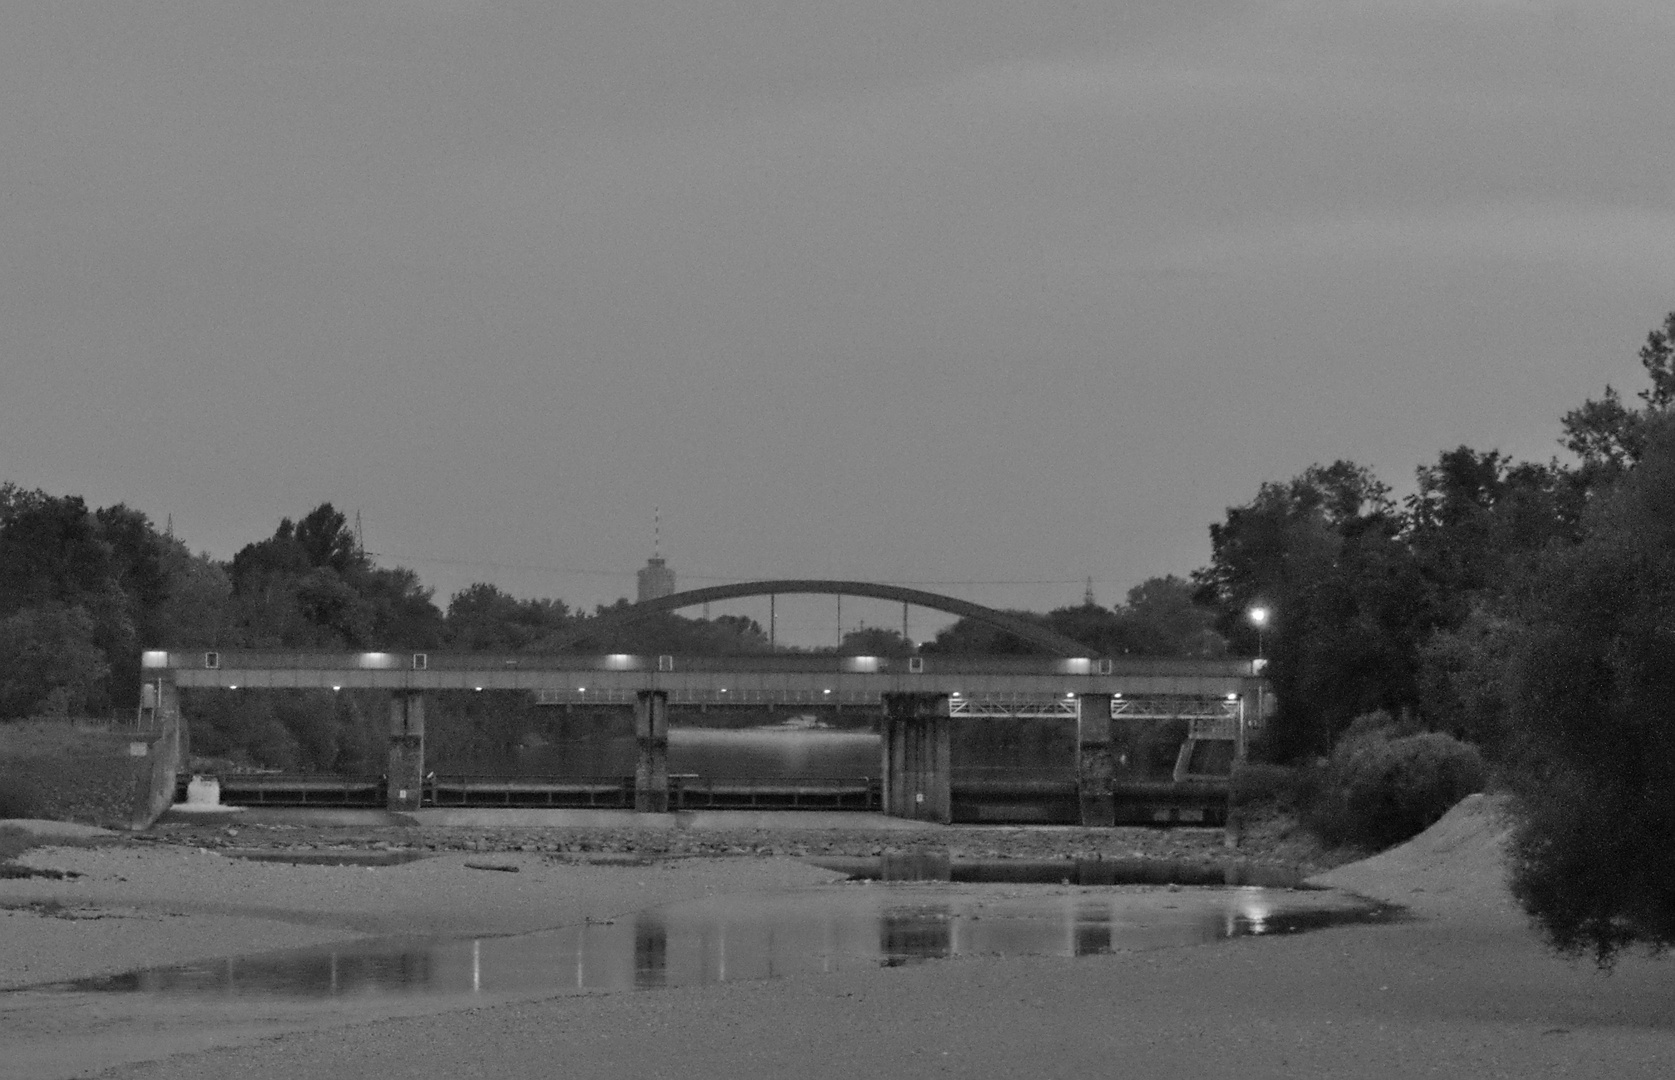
{"x":1000,"y":705}
{"x":713,"y":697}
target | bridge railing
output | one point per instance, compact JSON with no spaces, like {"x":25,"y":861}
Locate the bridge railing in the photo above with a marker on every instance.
{"x":790,"y":663}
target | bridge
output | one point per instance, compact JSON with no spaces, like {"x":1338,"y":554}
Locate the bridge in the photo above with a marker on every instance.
{"x":1048,"y":641}
{"x":917,"y":698}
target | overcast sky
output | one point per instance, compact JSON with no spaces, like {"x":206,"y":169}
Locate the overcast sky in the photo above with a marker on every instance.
{"x":901,"y":290}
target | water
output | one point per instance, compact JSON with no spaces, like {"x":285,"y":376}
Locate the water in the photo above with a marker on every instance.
{"x":938,"y":866}
{"x":754,"y":936}
{"x":587,"y":747}
{"x":328,"y":858}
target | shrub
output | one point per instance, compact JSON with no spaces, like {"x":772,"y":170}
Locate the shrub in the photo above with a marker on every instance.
{"x":1377,"y":790}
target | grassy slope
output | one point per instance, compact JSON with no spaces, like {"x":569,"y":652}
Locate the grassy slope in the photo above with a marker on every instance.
{"x":66,"y":771}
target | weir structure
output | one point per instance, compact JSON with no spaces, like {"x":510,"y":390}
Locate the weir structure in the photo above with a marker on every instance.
{"x":920,"y":699}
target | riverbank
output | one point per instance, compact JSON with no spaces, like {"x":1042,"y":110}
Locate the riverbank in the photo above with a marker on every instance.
{"x":1463,"y":988}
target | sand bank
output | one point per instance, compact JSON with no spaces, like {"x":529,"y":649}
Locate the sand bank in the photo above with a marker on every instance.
{"x":1462,"y":989}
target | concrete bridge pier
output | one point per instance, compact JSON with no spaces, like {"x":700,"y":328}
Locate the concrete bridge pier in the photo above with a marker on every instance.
{"x":916,"y":765}
{"x":406,"y":773}
{"x":651,"y":733}
{"x":1095,"y":761}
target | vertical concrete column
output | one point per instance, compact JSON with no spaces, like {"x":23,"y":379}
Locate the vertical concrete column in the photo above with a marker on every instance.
{"x":1095,"y":763}
{"x":917,"y":757}
{"x":168,"y":757}
{"x":171,"y":723}
{"x":651,"y":733}
{"x":406,"y":773}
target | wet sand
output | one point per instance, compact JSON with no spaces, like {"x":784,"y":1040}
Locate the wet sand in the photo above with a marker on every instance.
{"x":1464,"y":988}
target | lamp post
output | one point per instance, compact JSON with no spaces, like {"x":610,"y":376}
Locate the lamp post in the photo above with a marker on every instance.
{"x":1259,"y":619}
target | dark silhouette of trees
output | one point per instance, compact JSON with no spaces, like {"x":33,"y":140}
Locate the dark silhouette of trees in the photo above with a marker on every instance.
{"x":1159,"y":618}
{"x":1324,"y":554}
{"x":1591,"y":702}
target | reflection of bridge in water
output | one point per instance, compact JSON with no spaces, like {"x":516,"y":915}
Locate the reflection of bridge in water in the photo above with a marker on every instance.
{"x":740,"y":937}
{"x":918,"y":700}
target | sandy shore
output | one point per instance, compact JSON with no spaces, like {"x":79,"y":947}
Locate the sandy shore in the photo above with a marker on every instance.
{"x":1464,"y":988}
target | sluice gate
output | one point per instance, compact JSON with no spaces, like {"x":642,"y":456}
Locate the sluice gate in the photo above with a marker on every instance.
{"x":1123,"y":723}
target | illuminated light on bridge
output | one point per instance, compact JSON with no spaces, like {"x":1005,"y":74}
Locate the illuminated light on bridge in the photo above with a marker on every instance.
{"x":619,"y":662}
{"x":377,"y":661}
{"x":154,"y":658}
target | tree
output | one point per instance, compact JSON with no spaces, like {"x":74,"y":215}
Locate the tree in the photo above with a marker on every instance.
{"x":310,"y":585}
{"x":1160,"y":618}
{"x":1324,"y":552}
{"x":874,"y":641}
{"x":1608,"y":437}
{"x":1592,"y":703}
{"x":49,"y":663}
{"x":971,"y":637}
{"x":482,"y":618}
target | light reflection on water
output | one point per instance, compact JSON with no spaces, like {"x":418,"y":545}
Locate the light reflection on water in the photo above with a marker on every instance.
{"x":758,"y":937}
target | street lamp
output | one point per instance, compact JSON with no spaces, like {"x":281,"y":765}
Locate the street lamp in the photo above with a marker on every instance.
{"x":1259,"y":619}
{"x":1259,"y":616}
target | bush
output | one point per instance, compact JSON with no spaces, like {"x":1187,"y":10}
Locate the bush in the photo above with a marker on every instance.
{"x":1377,"y":791}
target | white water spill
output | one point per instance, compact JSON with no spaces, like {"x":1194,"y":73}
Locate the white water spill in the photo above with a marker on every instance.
{"x":756,"y":936}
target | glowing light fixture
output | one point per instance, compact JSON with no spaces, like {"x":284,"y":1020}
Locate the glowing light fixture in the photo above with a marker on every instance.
{"x":154,"y":658}
{"x":1259,"y":618}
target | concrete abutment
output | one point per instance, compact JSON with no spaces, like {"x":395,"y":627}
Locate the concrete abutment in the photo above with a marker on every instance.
{"x":916,"y":757}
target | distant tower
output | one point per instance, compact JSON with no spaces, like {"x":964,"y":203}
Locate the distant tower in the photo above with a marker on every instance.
{"x":656,"y":579}
{"x":1087,"y":597}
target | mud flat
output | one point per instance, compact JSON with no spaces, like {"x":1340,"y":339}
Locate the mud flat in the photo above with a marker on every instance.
{"x":1462,"y":988}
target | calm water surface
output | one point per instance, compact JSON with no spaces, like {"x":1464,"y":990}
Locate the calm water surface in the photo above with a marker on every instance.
{"x":759,"y":936}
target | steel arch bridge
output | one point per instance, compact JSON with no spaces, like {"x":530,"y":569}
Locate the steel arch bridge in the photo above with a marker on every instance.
{"x":1048,"y":641}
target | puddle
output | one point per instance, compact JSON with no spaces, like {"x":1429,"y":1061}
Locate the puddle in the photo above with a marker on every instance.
{"x":761,"y":936}
{"x":921,"y":866}
{"x":328,"y":858}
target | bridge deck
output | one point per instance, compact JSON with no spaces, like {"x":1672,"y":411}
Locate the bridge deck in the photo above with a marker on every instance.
{"x":616,"y":678}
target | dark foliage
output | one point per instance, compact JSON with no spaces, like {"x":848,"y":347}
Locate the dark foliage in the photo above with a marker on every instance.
{"x":1592,"y":705}
{"x":1380,"y":787}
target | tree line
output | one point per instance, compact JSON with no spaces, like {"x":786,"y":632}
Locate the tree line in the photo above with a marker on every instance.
{"x":83,"y":591}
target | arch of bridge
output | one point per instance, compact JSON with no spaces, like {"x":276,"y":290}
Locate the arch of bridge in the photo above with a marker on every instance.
{"x":1047,"y":640}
